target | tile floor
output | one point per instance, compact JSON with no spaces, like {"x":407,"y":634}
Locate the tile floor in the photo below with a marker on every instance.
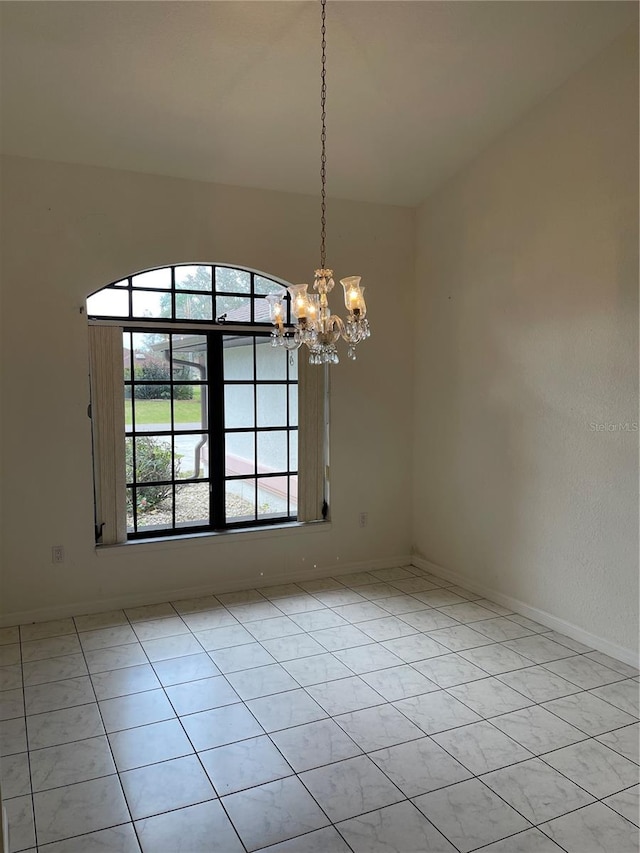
{"x":380,"y":711}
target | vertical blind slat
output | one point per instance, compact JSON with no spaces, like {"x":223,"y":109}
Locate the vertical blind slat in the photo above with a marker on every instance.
{"x":107,"y":415}
{"x":311,"y":416}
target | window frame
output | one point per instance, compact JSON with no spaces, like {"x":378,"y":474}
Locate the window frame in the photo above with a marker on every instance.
{"x":175,"y":292}
{"x":216,"y":430}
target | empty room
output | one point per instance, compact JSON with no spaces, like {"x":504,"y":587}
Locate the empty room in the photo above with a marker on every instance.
{"x":319,"y":426}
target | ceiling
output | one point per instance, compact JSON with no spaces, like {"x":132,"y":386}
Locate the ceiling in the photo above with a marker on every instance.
{"x":228,"y":91}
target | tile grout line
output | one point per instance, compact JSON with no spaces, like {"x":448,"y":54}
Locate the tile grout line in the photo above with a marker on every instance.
{"x":331,"y":608}
{"x":106,"y":737}
{"x":186,"y":734}
{"x":268,"y":735}
{"x":330,"y":717}
{"x":389,"y":703}
{"x":474,"y":776}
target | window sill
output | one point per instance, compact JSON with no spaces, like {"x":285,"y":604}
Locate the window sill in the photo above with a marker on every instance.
{"x":278,"y":531}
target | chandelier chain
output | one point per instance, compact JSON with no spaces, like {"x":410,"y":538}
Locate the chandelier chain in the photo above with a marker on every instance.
{"x":316,"y":327}
{"x":323,"y":142}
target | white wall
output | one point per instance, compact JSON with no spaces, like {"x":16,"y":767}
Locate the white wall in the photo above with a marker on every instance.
{"x":68,"y":230}
{"x":526,"y":334}
{"x":527,"y":267}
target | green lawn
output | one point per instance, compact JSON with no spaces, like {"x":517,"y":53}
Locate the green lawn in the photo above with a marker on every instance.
{"x":159,"y":411}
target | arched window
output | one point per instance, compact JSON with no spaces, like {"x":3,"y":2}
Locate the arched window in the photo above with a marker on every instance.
{"x":195,"y":415}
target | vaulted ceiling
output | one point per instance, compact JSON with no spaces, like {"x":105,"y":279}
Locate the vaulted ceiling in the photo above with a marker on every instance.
{"x":228,"y":91}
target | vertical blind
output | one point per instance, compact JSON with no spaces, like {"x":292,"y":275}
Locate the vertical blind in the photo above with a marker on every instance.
{"x":107,"y":418}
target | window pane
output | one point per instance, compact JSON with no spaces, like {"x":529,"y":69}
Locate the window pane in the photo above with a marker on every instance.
{"x":152,"y":414}
{"x":293,"y":405}
{"x":156,"y":279}
{"x":232,"y":281}
{"x":146,"y":303}
{"x":150,"y":356}
{"x":272,"y":497}
{"x":108,"y":303}
{"x":238,"y":406}
{"x":293,"y":495}
{"x":272,"y":405}
{"x":238,"y":358}
{"x":193,"y":278}
{"x":191,"y":456}
{"x":293,"y":363}
{"x":239,"y":453}
{"x":126,"y":354}
{"x":154,"y":505}
{"x":190,"y":357}
{"x":128,"y":455}
{"x":192,"y":504}
{"x":264,"y":286}
{"x":237,"y":309}
{"x":123,"y":283}
{"x":271,"y":362}
{"x":261,"y":311}
{"x":272,"y":451}
{"x":194,"y":306}
{"x":153,"y":460}
{"x":130,"y":526}
{"x":240,"y":500}
{"x":293,"y":450}
{"x":128,"y":417}
{"x":189,"y":407}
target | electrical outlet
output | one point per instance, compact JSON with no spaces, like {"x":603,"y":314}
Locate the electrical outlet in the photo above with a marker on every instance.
{"x":364,"y":519}
{"x":57,"y":554}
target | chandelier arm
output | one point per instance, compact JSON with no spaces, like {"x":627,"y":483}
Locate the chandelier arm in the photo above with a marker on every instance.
{"x":291,"y":344}
{"x":289,"y":341}
{"x":337,"y":321}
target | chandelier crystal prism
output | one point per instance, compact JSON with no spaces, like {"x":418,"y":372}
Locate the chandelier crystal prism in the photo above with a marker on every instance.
{"x":315,"y":325}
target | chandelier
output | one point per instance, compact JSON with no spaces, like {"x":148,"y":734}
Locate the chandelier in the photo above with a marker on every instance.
{"x":316,"y":326}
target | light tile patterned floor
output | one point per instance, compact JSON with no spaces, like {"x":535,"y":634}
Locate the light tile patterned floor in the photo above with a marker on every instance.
{"x":377,"y":712}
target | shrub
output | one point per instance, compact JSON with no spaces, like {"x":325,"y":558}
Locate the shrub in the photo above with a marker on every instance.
{"x":153,"y":463}
{"x":154,"y":371}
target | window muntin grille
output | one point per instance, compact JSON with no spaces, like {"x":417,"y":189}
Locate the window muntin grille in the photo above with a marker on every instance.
{"x":211,"y":428}
{"x":260,"y":429}
{"x":188,"y":293}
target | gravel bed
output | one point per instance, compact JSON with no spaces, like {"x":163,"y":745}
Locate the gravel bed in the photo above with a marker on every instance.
{"x":190,"y":502}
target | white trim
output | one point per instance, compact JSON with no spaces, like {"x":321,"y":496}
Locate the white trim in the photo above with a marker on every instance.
{"x":167,"y":543}
{"x":554,"y":623}
{"x":81,"y":608}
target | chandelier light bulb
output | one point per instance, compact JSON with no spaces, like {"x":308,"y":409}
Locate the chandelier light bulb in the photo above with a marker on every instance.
{"x":353,"y":296}
{"x":276,"y":309}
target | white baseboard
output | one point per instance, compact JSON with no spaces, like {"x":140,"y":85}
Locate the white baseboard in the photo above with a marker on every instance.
{"x":80,"y":608}
{"x":62,"y":611}
{"x":553,"y":622}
